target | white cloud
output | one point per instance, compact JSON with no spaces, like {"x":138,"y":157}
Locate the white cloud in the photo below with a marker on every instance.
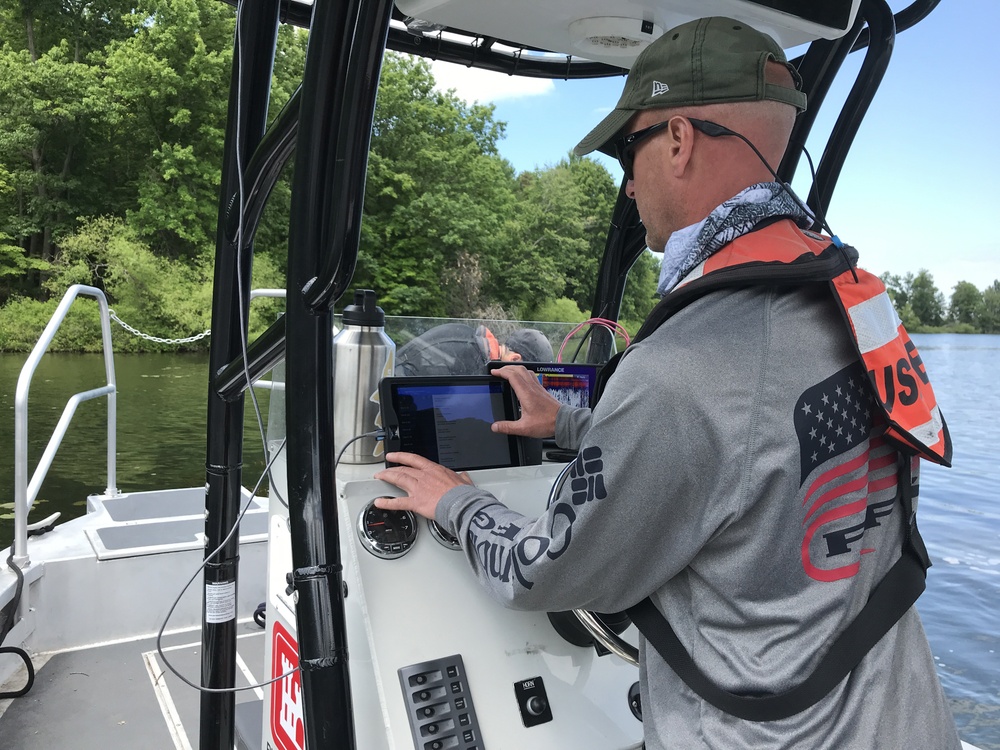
{"x":472,"y":84}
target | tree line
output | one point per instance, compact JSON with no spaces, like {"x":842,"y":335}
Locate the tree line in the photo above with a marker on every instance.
{"x":923,"y":309}
{"x":112,"y":120}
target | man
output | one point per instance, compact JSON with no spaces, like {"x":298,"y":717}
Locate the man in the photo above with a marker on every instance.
{"x":737,"y":470}
{"x":458,"y":349}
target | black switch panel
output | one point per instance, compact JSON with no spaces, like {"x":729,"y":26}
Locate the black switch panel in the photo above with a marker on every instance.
{"x":532,"y":701}
{"x":439,"y":706}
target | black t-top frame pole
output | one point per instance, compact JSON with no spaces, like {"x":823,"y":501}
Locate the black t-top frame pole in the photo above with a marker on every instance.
{"x":248,"y":98}
{"x":343,"y":62}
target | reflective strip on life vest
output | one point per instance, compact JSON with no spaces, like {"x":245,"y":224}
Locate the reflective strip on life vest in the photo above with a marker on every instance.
{"x":875,"y":322}
{"x":929,"y":433}
{"x":894,"y":366}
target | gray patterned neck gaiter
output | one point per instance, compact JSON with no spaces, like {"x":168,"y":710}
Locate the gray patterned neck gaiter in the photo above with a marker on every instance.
{"x":688,"y":247}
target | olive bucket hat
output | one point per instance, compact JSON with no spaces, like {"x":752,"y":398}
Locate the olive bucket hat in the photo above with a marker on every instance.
{"x":707,"y":61}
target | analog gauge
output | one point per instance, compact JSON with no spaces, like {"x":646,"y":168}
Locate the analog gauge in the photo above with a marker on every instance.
{"x":438,"y":532}
{"x":386,"y":533}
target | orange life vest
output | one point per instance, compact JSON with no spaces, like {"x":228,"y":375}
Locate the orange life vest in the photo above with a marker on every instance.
{"x":784,"y":255}
{"x":490,"y":343}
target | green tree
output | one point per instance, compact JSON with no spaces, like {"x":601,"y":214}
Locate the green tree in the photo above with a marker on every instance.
{"x":596,"y":193}
{"x":558,"y":232}
{"x":966,"y":303}
{"x":640,"y":291}
{"x":900,"y":288}
{"x":52,"y":99}
{"x":48,"y":102}
{"x":925,"y":299}
{"x":437,"y":197}
{"x":561,"y":310}
{"x":110,"y":109}
{"x":989,"y":321}
{"x":171,"y":87}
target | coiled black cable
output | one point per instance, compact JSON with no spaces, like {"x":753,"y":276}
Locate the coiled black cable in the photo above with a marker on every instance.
{"x":7,"y":623}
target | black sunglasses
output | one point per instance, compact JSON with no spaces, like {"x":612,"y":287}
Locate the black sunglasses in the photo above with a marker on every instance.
{"x":626,"y":145}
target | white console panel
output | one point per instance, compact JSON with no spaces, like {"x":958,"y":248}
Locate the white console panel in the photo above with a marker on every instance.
{"x":426,"y":605}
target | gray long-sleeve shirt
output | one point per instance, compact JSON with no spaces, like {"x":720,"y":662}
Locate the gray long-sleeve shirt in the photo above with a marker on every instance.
{"x":731,"y":472}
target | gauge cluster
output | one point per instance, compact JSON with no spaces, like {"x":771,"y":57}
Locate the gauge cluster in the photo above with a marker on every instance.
{"x":386,"y":533}
{"x":391,"y":533}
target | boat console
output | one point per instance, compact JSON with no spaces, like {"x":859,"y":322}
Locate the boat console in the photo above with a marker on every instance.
{"x":436,"y":663}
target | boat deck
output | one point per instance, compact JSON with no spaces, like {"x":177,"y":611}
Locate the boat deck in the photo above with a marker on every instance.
{"x":146,"y":705}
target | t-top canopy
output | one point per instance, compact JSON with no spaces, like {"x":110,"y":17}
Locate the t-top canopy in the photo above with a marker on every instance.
{"x":615,"y":33}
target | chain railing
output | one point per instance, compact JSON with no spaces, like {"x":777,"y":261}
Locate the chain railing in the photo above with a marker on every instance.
{"x":187,"y":339}
{"x":157,"y":339}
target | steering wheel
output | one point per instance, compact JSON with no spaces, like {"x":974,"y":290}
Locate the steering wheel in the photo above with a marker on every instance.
{"x":607,"y":637}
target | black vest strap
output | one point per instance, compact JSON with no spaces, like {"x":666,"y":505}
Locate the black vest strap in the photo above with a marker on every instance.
{"x":889,"y":601}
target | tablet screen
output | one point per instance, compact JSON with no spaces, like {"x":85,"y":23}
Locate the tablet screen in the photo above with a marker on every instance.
{"x":448,"y":420}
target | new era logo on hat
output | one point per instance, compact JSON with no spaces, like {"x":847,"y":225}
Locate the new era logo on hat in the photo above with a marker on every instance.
{"x":659,"y":88}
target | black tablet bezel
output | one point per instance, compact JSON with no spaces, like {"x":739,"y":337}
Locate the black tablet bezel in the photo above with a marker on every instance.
{"x":388,"y":401}
{"x":552,"y":367}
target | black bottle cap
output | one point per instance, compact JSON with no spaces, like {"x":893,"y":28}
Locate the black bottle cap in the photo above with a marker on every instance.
{"x":364,"y":311}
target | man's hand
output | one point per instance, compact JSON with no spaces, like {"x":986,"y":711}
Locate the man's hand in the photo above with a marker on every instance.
{"x":538,"y":407}
{"x":423,"y":481}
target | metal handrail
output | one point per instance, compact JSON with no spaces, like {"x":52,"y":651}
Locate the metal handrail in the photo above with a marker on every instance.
{"x":25,"y":492}
{"x":255,"y":293}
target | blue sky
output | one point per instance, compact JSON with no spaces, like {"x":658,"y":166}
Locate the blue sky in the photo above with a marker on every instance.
{"x":918,"y":183}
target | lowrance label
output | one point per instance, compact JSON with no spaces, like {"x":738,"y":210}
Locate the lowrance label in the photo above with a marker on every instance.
{"x":220,"y":602}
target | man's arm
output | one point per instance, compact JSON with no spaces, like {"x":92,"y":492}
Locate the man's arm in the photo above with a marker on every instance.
{"x":631,"y":514}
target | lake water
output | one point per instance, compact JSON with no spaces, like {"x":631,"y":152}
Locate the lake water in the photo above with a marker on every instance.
{"x":161,"y":439}
{"x":161,"y":428}
{"x":960,"y":521}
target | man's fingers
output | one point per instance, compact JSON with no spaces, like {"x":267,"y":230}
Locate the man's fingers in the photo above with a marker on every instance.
{"x":504,"y":428}
{"x":400,"y":476}
{"x":392,"y":503}
{"x":423,"y":481}
{"x":515,"y":374}
{"x":506,"y":371}
{"x":410,"y":459}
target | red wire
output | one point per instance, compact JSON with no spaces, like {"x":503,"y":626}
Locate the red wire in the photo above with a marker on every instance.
{"x":613,"y":326}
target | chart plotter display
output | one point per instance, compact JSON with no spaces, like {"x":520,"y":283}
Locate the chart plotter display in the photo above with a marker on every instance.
{"x":448,"y":420}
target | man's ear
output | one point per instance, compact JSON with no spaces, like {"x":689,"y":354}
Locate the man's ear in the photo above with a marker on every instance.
{"x":514,"y":357}
{"x":680,"y":144}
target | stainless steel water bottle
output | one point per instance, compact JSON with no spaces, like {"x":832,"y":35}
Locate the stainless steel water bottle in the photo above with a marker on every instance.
{"x":362,"y":355}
